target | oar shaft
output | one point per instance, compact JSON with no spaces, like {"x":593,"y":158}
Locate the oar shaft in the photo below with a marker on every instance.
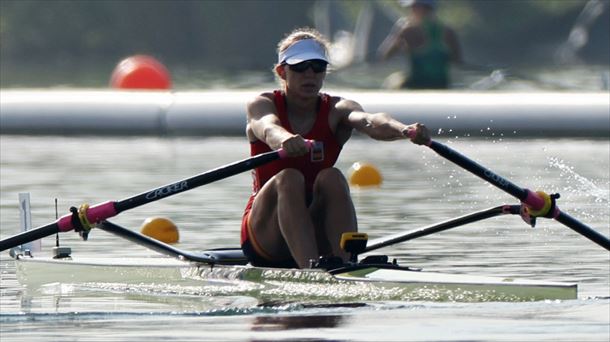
{"x":28,"y":236}
{"x":479,"y":170}
{"x":531,"y":199}
{"x":105,"y":210}
{"x":196,"y":181}
{"x":583,"y":230}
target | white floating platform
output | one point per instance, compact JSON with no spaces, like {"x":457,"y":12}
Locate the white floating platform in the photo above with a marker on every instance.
{"x":111,"y":112}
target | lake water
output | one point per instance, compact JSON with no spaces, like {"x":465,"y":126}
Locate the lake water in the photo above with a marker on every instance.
{"x":419,"y":188}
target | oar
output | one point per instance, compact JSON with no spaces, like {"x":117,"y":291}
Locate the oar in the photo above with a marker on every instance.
{"x":82,"y":219}
{"x":439,"y":227}
{"x":539,"y":204}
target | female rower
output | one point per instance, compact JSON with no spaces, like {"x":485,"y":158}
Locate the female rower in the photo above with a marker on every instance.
{"x":301,"y":204}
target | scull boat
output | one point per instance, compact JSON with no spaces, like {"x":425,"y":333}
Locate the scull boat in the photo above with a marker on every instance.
{"x":411,"y":283}
{"x":230,"y":264}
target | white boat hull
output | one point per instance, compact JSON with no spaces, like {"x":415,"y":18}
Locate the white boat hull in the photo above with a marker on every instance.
{"x":34,"y":272}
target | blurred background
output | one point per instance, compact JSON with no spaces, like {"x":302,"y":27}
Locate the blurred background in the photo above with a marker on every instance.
{"x":230,"y":44}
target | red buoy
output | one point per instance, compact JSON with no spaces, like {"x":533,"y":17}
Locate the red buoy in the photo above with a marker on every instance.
{"x":140,"y":72}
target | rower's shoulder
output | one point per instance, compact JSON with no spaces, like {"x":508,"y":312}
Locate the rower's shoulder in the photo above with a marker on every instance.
{"x":262,"y":97}
{"x":262,"y":100}
{"x":344,"y":105}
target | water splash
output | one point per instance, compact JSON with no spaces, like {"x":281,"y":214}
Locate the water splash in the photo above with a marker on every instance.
{"x":585,"y":185}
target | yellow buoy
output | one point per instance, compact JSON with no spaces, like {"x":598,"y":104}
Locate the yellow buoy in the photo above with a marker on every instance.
{"x":160,"y":228}
{"x":364,"y":174}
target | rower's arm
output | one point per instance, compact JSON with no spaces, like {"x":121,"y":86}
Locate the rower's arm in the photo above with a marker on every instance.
{"x":264,"y":125}
{"x":379,"y":126}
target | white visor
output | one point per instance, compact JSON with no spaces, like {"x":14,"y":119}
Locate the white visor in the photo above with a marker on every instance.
{"x":302,"y":50}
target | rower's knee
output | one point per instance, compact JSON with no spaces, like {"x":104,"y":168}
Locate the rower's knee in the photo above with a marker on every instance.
{"x":290,"y":180}
{"x":331,"y":179}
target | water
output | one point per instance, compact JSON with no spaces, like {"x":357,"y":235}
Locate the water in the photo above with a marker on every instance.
{"x":419,"y":188}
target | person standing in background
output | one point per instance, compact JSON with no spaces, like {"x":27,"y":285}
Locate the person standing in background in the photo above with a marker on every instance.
{"x":430,"y":46}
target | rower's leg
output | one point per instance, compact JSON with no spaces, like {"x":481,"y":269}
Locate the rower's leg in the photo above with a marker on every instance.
{"x":281,"y":221}
{"x":333,"y":211}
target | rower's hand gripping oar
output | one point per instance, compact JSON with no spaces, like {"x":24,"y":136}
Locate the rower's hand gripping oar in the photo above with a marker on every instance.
{"x":534,"y":204}
{"x":85,"y":217}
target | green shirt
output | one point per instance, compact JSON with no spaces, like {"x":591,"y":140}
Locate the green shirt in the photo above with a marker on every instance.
{"x":430,"y":62}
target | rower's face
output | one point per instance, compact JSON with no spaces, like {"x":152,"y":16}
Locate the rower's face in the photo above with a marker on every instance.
{"x":305,"y":83}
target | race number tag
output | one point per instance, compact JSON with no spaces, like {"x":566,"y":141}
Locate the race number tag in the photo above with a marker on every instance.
{"x":317,"y":151}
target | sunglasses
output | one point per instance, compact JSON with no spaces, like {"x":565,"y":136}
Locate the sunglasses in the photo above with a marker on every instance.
{"x":317,"y":65}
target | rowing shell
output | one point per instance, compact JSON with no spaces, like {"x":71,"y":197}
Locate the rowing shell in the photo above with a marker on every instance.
{"x":409,"y":283}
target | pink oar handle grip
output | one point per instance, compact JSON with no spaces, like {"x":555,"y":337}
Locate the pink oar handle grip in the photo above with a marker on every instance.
{"x":412,"y":133}
{"x":96,"y":213}
{"x":283,"y":154}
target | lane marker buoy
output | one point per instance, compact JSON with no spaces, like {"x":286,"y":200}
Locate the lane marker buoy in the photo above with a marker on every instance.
{"x":364,"y":174}
{"x":140,"y":72}
{"x":160,"y":228}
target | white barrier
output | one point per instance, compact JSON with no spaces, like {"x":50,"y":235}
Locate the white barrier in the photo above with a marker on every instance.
{"x":109,"y":112}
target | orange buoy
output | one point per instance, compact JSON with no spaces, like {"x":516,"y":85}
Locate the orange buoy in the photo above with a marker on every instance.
{"x":161,"y":229}
{"x":364,"y":174}
{"x":140,"y":72}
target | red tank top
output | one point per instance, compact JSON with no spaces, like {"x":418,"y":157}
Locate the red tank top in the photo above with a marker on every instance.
{"x":310,"y":164}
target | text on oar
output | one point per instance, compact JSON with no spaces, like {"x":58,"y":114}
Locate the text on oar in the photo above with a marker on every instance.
{"x":167,"y":190}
